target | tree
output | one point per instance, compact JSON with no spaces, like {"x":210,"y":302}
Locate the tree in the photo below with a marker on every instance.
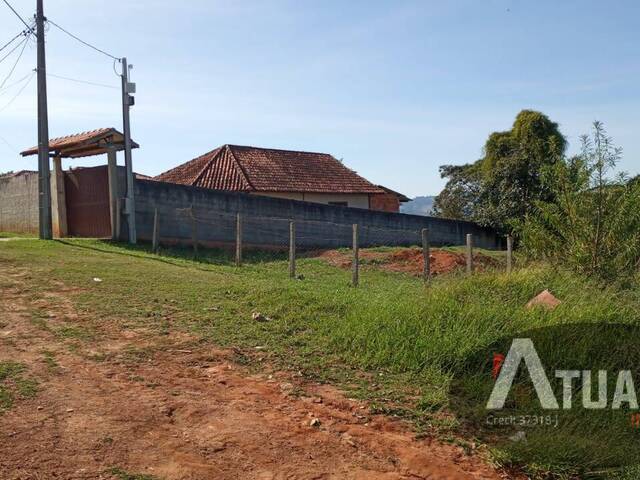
{"x":592,"y":224}
{"x":458,"y":199}
{"x":500,"y":188}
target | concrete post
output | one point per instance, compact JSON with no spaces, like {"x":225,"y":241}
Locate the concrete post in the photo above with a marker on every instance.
{"x":292,"y":249}
{"x":156,"y":231}
{"x":58,"y":200}
{"x":194,"y":232}
{"x":127,"y":101}
{"x":238,"y":240}
{"x":469,"y":254}
{"x":355,"y":266}
{"x":426,"y":255}
{"x":509,"y":253}
{"x":114,"y":211}
{"x":44,"y":193}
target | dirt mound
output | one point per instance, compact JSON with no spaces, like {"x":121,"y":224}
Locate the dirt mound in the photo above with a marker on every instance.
{"x":544,"y":299}
{"x":409,"y":260}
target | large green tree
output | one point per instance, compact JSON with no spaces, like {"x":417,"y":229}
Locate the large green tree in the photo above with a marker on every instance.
{"x":499,"y":189}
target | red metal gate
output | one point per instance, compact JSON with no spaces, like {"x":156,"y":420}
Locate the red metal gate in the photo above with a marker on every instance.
{"x":87,"y":198}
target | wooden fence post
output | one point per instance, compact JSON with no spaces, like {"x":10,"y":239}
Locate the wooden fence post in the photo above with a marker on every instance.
{"x":469,"y":254}
{"x":509,"y":253}
{"x":292,"y":249}
{"x":156,"y":232}
{"x":194,"y":232}
{"x":355,"y":266}
{"x":238,"y":239}
{"x":426,"y":255}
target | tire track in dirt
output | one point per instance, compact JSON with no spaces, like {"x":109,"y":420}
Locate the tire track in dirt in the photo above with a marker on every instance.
{"x":178,"y":410}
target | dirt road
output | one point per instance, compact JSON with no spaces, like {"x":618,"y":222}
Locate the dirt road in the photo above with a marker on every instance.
{"x":132,"y":404}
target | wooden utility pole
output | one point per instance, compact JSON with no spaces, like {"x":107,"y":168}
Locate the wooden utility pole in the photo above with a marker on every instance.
{"x":127,"y":102}
{"x":44,"y":181}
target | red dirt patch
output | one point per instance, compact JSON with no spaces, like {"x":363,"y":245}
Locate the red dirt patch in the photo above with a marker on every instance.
{"x":409,"y":260}
{"x":186,"y":411}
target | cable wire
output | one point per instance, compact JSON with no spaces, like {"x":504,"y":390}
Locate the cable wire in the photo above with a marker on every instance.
{"x":8,"y":144}
{"x":82,"y":81}
{"x":15,"y":64}
{"x":13,"y":50}
{"x":18,"y":15}
{"x":12,"y":40}
{"x":81,"y":41}
{"x":18,"y":94}
{"x":13,"y":84}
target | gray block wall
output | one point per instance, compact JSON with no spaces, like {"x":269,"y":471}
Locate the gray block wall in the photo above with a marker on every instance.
{"x":266,"y":221}
{"x":19,"y":203}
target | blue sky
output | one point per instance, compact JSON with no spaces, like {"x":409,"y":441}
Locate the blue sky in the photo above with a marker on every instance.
{"x":393,"y":88}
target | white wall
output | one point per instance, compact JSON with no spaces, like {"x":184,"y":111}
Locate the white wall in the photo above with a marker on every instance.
{"x":356,"y":200}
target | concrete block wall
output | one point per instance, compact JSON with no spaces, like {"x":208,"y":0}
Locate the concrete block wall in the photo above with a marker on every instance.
{"x":266,"y":220}
{"x":19,"y":203}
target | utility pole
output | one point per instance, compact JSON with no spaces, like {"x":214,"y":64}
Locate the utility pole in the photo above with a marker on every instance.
{"x":44,"y":182}
{"x":127,"y":102}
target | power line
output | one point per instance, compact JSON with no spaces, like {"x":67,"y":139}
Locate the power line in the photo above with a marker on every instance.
{"x":15,"y":64}
{"x":13,"y":84}
{"x":82,"y":81}
{"x":82,"y":41}
{"x":18,"y":15}
{"x":12,"y":40}
{"x":8,"y":144}
{"x":13,"y":50}
{"x":18,"y":94}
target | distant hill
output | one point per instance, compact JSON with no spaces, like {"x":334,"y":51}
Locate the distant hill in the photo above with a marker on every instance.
{"x":418,"y":206}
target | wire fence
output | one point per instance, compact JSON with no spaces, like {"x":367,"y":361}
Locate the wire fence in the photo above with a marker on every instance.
{"x":241,"y":233}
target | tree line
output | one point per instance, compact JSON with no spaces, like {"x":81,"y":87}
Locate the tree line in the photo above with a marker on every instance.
{"x":576,"y":209}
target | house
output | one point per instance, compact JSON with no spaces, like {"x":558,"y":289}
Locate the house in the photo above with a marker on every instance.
{"x":306,"y":176}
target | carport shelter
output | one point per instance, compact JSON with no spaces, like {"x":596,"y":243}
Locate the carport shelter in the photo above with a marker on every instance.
{"x":85,"y":201}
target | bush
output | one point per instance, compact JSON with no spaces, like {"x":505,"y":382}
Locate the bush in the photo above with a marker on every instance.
{"x":594,"y":223}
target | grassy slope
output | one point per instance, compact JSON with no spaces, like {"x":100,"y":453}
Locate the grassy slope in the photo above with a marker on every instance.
{"x":393,"y":340}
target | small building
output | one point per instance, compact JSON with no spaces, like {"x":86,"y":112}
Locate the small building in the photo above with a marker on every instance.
{"x":306,"y":176}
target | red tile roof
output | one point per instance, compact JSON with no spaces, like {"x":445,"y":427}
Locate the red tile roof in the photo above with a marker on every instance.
{"x":238,"y":168}
{"x":82,"y":144}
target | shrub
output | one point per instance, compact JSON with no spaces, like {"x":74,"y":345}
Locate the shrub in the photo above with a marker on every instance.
{"x":594,"y":223}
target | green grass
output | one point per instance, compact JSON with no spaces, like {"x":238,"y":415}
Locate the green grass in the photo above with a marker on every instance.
{"x":420,"y":352}
{"x":16,"y":235}
{"x":49,"y":359}
{"x":121,"y":474}
{"x":14,"y":384}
